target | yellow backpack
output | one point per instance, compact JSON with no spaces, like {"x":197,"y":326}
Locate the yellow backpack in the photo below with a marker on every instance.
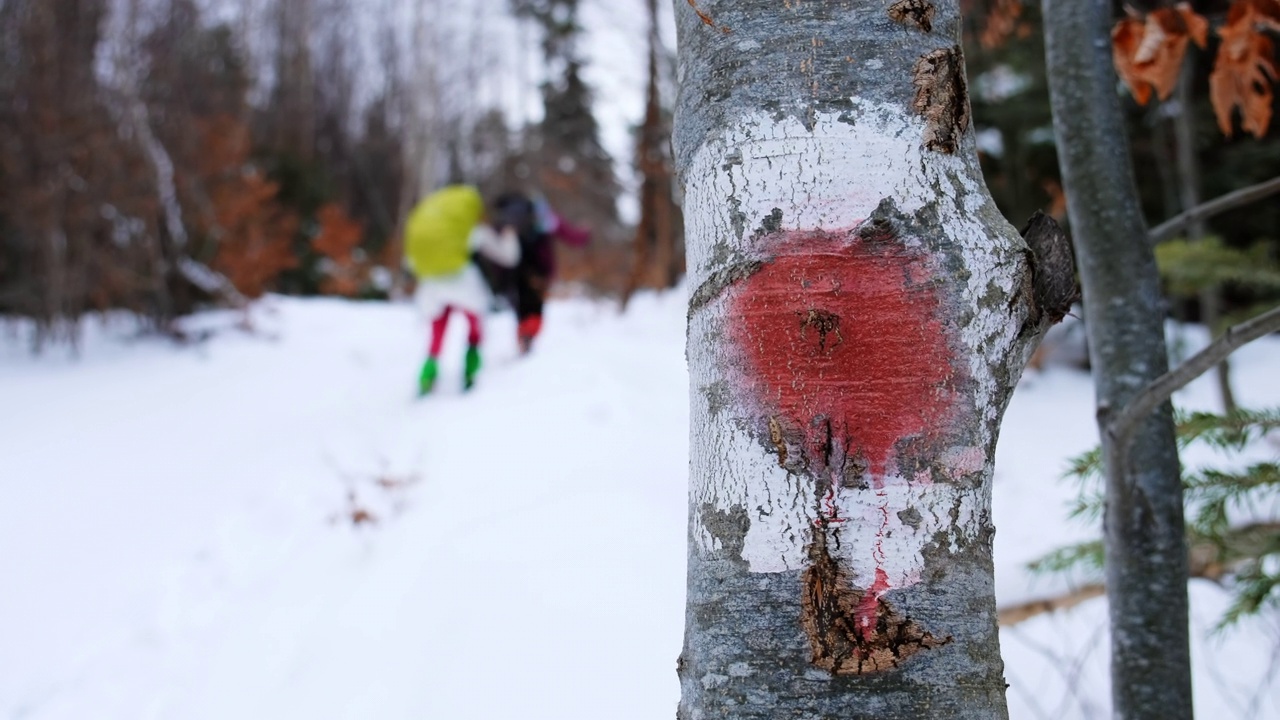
{"x":436,"y":233}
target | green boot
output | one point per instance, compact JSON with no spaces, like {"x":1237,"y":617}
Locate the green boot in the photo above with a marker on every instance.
{"x":472,"y":367}
{"x":427,"y":379}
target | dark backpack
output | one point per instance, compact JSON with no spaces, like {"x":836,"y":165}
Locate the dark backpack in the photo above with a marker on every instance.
{"x":518,"y":211}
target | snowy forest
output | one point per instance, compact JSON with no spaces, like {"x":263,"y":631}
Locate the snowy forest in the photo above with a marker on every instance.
{"x":629,"y":358}
{"x":166,"y":156}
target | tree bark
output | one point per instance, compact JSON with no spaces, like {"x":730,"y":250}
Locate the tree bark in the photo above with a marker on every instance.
{"x":860,"y":317}
{"x":1146,"y":554}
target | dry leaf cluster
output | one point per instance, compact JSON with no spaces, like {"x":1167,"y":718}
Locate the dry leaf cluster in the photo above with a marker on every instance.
{"x":253,"y":229}
{"x":1245,"y":68}
{"x":1148,"y":52}
{"x":338,"y":239}
{"x":1004,"y":20}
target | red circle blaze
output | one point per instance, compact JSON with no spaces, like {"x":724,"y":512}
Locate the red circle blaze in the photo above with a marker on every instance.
{"x":842,"y":336}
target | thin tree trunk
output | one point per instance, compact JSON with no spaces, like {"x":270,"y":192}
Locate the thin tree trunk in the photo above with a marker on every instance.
{"x":1211,"y":316}
{"x":1184,"y":132}
{"x":198,"y":274}
{"x":1172,"y":205}
{"x":428,"y":98}
{"x":861,"y":314}
{"x":654,"y":240}
{"x":130,"y":71}
{"x":1189,"y":194}
{"x":1146,"y":552}
{"x":295,"y":129}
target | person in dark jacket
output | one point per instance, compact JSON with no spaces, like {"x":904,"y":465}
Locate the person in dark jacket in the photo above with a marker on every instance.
{"x":536,"y":225}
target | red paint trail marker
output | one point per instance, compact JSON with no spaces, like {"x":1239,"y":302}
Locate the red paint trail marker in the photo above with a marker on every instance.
{"x":846,"y":329}
{"x":840,"y":336}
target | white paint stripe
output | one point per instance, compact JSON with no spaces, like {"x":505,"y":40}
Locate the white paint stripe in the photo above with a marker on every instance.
{"x":833,"y":178}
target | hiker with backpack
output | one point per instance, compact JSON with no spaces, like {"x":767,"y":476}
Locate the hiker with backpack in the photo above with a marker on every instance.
{"x":536,"y":224}
{"x":442,"y":234}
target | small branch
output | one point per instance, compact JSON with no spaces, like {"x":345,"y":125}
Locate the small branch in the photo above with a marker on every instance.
{"x":212,"y":282}
{"x":1206,"y":210}
{"x":1015,"y":614}
{"x":1162,"y":388}
{"x":1206,"y":561}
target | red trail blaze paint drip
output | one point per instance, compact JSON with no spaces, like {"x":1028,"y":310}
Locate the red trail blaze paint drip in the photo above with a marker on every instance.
{"x":842,"y":337}
{"x":842,"y":340}
{"x":866,"y":613}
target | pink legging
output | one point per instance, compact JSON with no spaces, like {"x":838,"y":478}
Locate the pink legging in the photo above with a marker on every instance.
{"x":442,"y":321}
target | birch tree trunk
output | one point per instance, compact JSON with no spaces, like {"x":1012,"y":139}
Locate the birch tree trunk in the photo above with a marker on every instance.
{"x":860,"y":317}
{"x":1146,"y":552}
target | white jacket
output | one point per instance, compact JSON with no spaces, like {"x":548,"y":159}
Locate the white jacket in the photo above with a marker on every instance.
{"x":466,"y":289}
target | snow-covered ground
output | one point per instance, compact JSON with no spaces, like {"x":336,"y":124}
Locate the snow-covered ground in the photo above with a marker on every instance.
{"x":269,"y":525}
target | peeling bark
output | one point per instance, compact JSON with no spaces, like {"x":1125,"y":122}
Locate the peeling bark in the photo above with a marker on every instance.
{"x":942,"y":97}
{"x":915,"y":13}
{"x":853,"y":630}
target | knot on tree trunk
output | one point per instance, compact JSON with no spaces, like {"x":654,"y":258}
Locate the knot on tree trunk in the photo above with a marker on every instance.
{"x":1053,"y":268}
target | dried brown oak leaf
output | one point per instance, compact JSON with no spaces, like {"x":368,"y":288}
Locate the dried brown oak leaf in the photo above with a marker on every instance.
{"x":1004,"y":20}
{"x":337,"y":240}
{"x":1148,"y":51}
{"x":1245,"y":68}
{"x":338,"y":234}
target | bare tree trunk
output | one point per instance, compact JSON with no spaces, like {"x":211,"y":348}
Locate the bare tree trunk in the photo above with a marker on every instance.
{"x":425,"y":82}
{"x":860,"y":317}
{"x":130,"y":71}
{"x":1146,"y":552}
{"x":654,"y":240}
{"x":294,"y":129}
{"x":1189,"y":196}
{"x":137,"y":115}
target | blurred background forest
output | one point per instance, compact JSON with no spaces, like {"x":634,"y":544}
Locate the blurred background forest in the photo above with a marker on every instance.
{"x":159,"y":155}
{"x":163,"y":155}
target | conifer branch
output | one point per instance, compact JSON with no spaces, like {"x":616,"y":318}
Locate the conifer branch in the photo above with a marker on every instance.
{"x":1208,"y":559}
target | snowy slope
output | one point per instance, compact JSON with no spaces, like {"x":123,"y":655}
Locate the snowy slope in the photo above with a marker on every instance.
{"x":170,"y":546}
{"x":177,"y":535}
